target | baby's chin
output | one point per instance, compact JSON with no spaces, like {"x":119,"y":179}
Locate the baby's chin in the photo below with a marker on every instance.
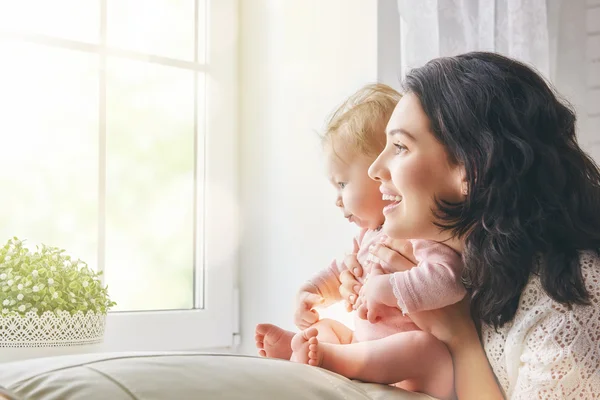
{"x":366,"y":224}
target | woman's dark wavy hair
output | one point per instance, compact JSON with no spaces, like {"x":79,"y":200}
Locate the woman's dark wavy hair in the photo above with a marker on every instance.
{"x":534,"y":195}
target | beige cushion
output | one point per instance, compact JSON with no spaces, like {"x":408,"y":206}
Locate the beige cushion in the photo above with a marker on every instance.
{"x":147,"y":376}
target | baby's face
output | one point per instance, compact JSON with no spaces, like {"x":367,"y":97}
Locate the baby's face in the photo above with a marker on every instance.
{"x":357,"y":195}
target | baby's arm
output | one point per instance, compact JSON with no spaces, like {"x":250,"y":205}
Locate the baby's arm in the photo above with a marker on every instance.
{"x":434,"y":283}
{"x":327,"y":282}
{"x":322,"y":290}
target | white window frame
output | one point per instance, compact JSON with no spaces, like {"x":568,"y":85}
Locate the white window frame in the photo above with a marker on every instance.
{"x":213,"y":321}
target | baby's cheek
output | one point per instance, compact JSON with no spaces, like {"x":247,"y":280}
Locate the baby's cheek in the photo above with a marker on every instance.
{"x":361,"y":203}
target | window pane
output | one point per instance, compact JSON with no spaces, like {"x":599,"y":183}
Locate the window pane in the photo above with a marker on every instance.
{"x":68,"y":19}
{"x":159,"y":27}
{"x":150,"y":186}
{"x":202,"y":30}
{"x":48,"y":157}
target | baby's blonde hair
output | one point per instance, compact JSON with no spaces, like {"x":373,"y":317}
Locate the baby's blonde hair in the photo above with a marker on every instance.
{"x":358,"y":125}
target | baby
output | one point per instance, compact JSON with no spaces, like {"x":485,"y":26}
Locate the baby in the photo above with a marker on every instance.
{"x":387,"y":347}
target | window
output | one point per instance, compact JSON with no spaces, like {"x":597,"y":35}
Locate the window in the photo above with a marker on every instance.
{"x":118,"y":144}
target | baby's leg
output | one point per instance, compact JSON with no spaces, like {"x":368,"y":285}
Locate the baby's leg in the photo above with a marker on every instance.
{"x":325,"y":331}
{"x":275,"y":342}
{"x":417,"y":359}
{"x":332,"y":331}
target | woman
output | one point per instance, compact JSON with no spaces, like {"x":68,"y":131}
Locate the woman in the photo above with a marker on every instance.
{"x":485,"y":158}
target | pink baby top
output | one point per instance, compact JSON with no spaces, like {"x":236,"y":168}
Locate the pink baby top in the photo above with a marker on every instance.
{"x":433,"y":283}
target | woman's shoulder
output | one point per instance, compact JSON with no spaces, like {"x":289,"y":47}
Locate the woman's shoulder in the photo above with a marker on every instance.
{"x":534,"y":295}
{"x":539,"y":314}
{"x":539,"y":317}
{"x":590,"y":270}
{"x":589,"y":261}
{"x":546,"y":336}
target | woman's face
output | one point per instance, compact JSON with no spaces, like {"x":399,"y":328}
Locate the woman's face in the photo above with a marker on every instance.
{"x":413,"y":170}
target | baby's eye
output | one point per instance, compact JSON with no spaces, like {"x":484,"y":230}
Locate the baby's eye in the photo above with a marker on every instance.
{"x":342,"y":185}
{"x":400,"y":148}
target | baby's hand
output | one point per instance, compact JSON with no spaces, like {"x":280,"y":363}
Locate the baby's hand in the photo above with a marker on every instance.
{"x":375,"y":295}
{"x":306,"y":301}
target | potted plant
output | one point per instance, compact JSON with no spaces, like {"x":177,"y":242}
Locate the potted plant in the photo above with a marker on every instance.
{"x":49,"y":303}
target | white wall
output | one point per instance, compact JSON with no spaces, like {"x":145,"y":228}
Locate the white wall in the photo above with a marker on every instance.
{"x":299,"y":59}
{"x":389,"y":65}
{"x":593,"y":77}
{"x":577,"y":71}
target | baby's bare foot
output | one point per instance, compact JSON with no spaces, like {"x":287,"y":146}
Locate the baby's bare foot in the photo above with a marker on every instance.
{"x":273,"y":342}
{"x":306,"y":349}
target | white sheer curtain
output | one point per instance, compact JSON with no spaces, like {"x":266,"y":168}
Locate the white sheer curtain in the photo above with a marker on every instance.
{"x":558,"y":37}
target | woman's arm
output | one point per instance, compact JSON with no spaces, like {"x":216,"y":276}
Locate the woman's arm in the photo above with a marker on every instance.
{"x":473,"y":376}
{"x":453,"y":325}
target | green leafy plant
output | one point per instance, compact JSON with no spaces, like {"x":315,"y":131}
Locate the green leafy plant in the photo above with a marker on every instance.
{"x":48,"y":280}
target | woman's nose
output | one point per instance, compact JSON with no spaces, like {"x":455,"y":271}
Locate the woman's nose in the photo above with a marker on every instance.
{"x":338,"y":202}
{"x":376,"y":169}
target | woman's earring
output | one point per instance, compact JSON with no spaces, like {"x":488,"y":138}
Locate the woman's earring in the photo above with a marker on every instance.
{"x":465,"y":189}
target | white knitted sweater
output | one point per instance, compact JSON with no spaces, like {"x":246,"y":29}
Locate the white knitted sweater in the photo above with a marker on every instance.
{"x":549,"y":351}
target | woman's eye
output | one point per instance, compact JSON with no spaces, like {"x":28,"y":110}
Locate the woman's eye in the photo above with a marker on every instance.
{"x":342,"y":185}
{"x":400,"y":148}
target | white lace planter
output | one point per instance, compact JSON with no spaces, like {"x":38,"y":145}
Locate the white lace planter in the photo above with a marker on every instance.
{"x":50,"y":334}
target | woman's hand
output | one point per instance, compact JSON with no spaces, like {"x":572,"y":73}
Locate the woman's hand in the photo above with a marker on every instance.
{"x":394,"y":255}
{"x":395,"y":260}
{"x":397,"y":256}
{"x":375,"y":296}
{"x":350,"y":287}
